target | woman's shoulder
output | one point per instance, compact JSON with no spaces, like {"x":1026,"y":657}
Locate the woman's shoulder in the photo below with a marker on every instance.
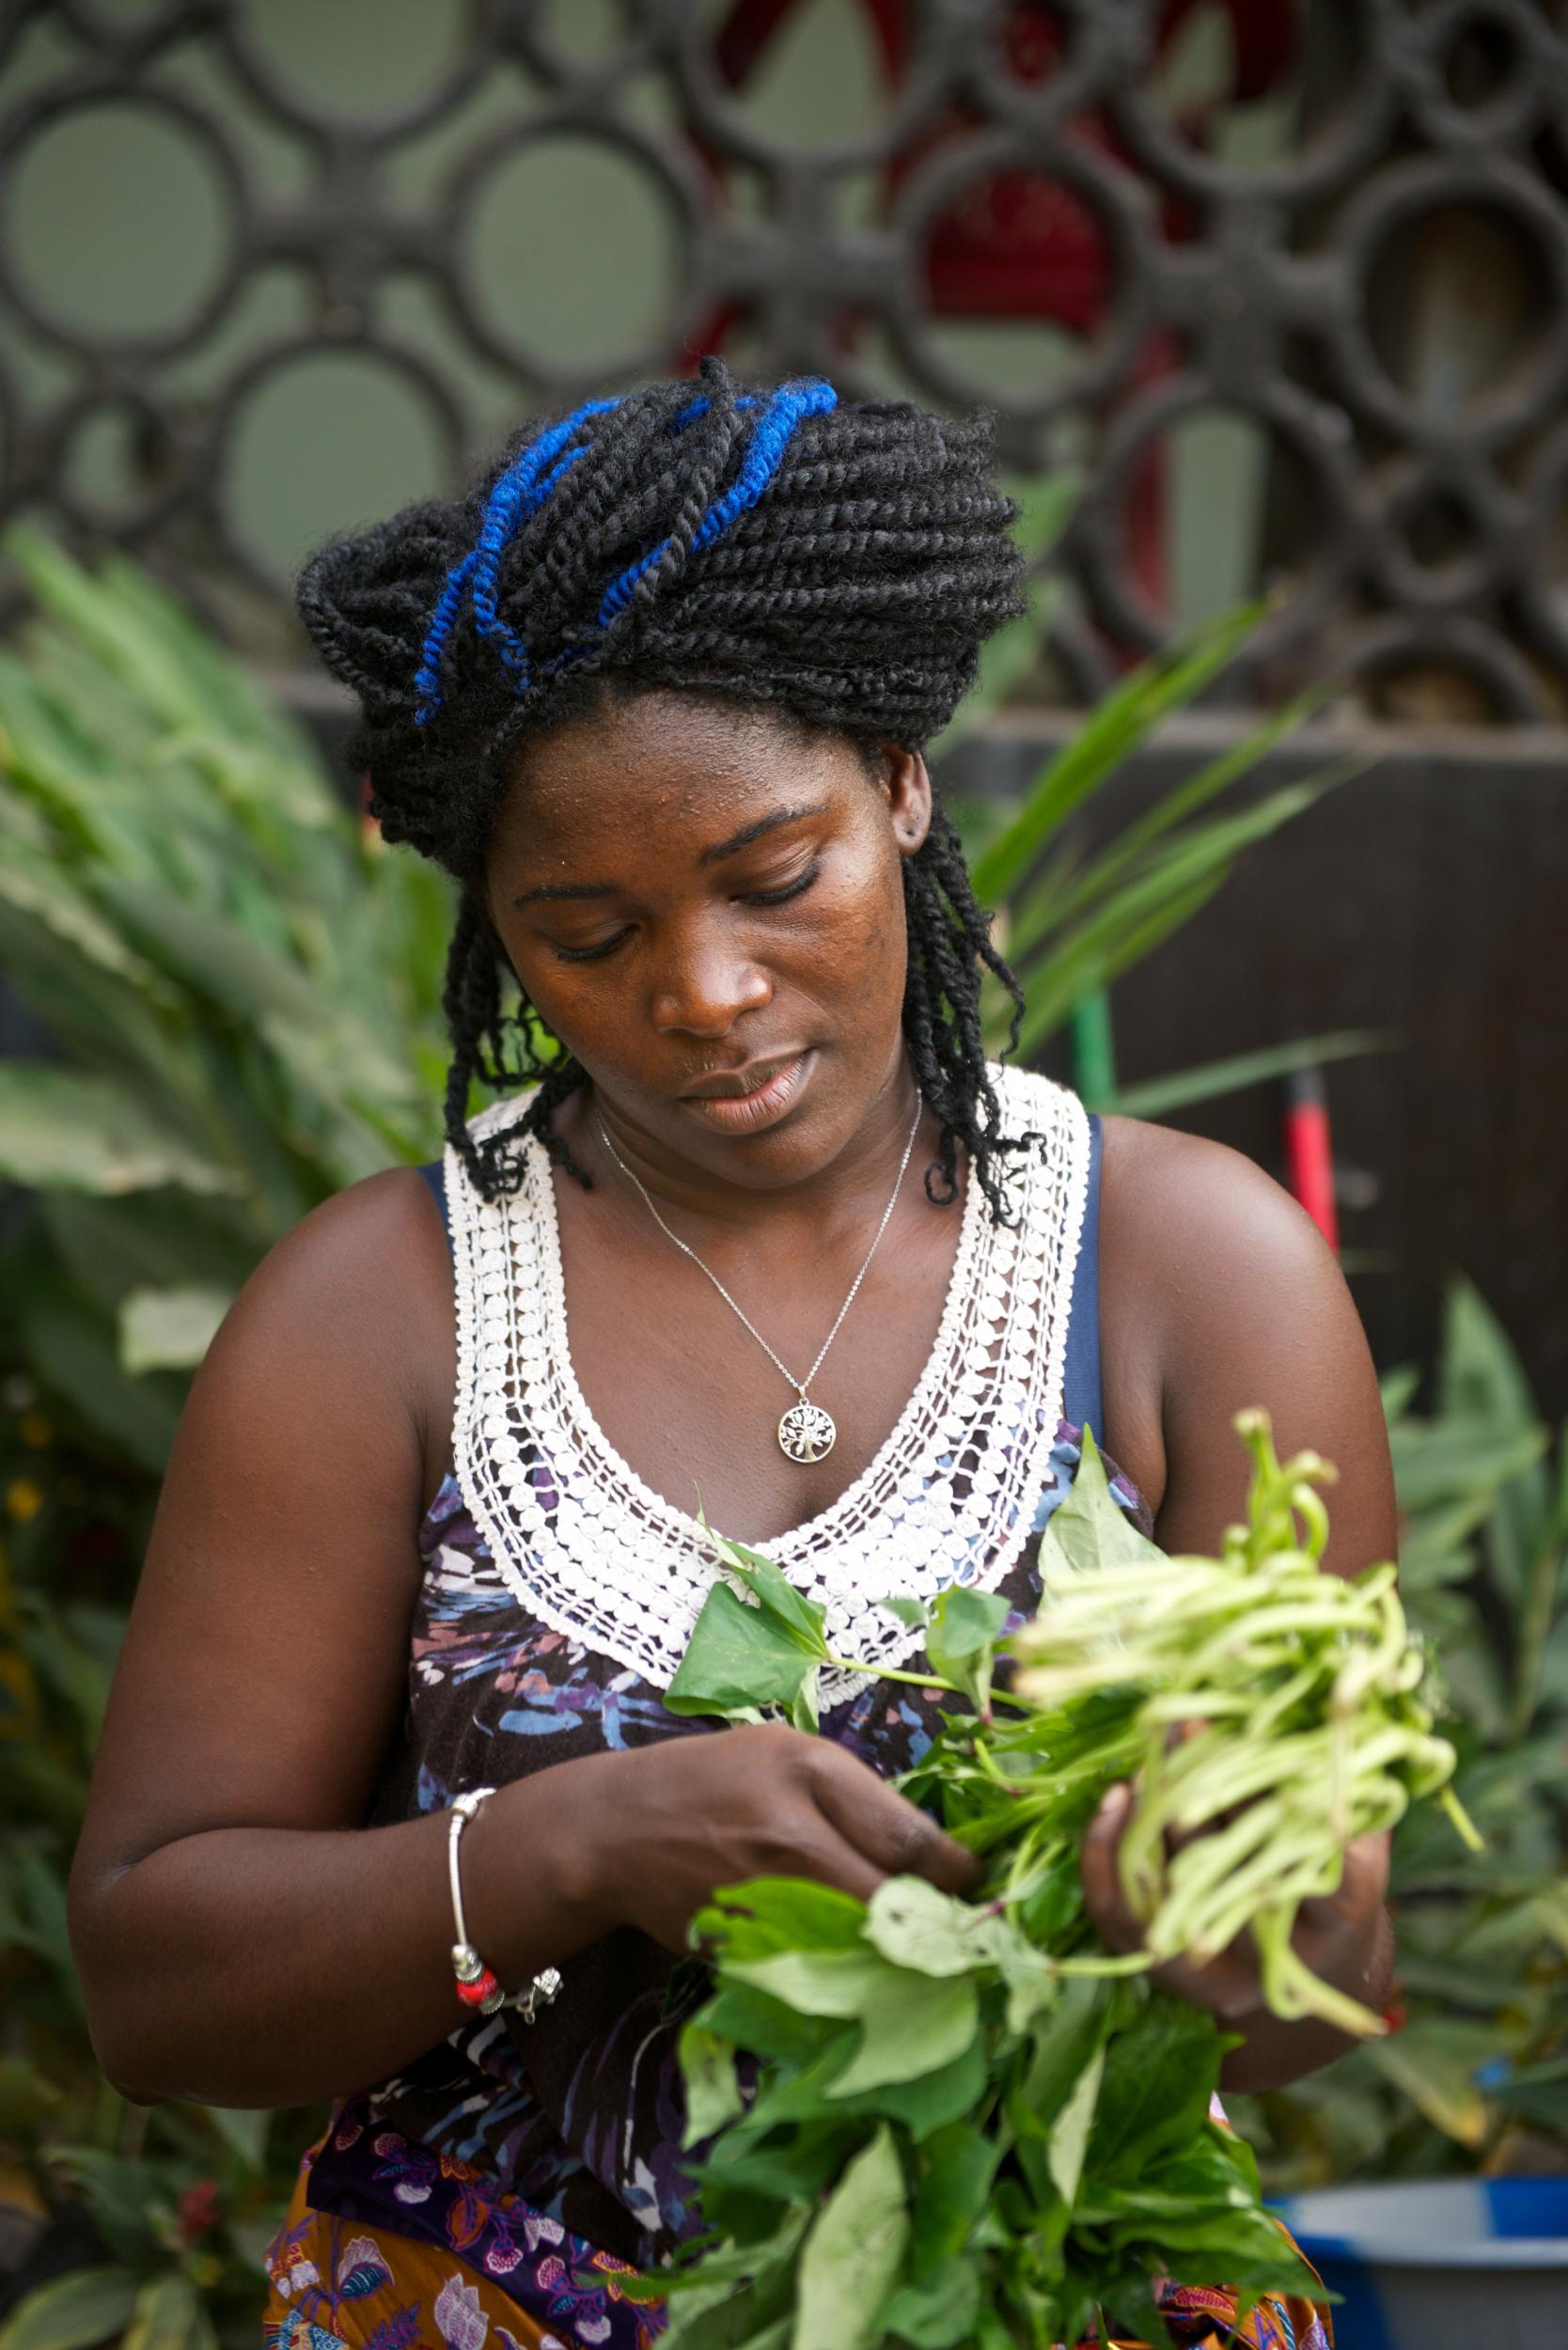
{"x":1217,"y":1291}
{"x":1172,"y":1199}
{"x":357,"y":1297}
{"x":364,"y":1243}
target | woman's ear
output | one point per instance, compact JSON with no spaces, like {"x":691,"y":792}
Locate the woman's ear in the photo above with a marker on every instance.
{"x":906,"y":787}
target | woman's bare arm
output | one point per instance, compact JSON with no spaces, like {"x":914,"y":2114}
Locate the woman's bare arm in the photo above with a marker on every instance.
{"x":241,"y":1938}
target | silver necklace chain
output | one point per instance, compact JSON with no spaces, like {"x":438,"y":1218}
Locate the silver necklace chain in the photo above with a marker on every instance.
{"x":805,"y":1432}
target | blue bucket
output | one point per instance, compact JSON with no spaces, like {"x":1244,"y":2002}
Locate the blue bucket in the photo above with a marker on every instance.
{"x":1442,"y":2263}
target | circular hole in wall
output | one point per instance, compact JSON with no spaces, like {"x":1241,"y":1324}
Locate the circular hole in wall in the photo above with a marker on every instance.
{"x":1254,"y":104}
{"x":1453,"y":299}
{"x":1213,"y":507}
{"x":811,"y":75}
{"x":322,"y":443}
{"x":120,"y":222}
{"x":573,"y":251}
{"x":322,"y":58}
{"x":1480,"y":62}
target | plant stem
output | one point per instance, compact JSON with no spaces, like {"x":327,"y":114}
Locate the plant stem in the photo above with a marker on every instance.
{"x":886,"y":1673}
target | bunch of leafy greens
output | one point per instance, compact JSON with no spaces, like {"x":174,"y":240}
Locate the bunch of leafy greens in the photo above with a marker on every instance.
{"x":969,"y":2124}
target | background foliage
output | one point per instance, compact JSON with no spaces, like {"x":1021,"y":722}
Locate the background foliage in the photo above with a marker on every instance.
{"x":240,"y":990}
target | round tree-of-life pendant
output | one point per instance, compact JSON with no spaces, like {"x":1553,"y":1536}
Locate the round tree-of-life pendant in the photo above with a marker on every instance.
{"x":807,"y":1433}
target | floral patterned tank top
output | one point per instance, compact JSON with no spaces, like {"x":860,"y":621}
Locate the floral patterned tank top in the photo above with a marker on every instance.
{"x":558,"y":1593}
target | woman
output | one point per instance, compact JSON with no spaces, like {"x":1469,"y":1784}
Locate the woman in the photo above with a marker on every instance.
{"x":768,"y":1229}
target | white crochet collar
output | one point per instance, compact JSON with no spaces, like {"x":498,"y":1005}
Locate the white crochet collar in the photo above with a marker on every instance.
{"x":951,"y":1496}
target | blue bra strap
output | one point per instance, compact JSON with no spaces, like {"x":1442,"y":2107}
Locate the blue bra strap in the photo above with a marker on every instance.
{"x":1081,"y":1403}
{"x":435,"y":1177}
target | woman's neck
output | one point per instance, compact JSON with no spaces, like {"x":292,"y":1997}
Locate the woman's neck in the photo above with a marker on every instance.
{"x":809,"y":1211}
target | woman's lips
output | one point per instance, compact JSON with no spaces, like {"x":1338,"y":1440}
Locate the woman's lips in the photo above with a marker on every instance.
{"x":746,"y":1113}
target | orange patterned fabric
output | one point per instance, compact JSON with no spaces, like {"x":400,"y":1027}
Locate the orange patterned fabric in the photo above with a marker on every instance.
{"x":338,"y":2283}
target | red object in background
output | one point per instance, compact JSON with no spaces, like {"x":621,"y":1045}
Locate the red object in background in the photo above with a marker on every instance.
{"x":1308,"y":1152}
{"x":196,"y":2209}
{"x":1019,"y":245}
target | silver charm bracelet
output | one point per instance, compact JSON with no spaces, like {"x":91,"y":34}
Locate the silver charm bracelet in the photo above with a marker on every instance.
{"x":476,"y":1984}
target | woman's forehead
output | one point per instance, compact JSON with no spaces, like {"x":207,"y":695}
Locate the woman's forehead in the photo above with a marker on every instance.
{"x":671,"y":760}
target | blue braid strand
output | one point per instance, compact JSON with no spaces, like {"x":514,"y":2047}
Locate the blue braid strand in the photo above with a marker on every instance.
{"x":770,"y":437}
{"x":774,"y":431}
{"x":518,"y":491}
{"x":525,"y":485}
{"x":700,"y":407}
{"x":427,"y":676}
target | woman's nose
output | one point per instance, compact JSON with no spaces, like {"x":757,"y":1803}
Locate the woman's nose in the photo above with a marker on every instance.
{"x":705,"y":987}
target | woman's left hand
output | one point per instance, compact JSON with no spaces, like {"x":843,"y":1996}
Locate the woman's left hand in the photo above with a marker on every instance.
{"x":1336,"y":1934}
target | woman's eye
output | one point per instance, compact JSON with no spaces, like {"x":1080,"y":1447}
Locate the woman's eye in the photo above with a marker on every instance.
{"x":589,"y":954}
{"x":781,"y":896}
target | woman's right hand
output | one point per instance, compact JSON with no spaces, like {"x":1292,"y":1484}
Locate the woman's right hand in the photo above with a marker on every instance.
{"x":666,"y":1825}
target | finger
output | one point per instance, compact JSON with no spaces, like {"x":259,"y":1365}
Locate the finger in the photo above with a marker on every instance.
{"x":1361,"y":1890}
{"x":1229,"y":1985}
{"x":1100,"y":1871}
{"x":894,"y":1835}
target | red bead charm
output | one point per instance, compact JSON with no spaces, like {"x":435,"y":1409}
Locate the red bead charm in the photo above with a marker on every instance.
{"x":475,"y":1994}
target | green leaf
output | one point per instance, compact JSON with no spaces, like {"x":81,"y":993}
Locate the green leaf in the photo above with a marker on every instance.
{"x":776,"y":1597}
{"x":963,"y":1629}
{"x":43,"y":891}
{"x":912,"y":1924}
{"x":931,"y":2102}
{"x":851,"y":2260}
{"x":1208,"y":1081}
{"x":85,"y":1134}
{"x":71,"y":1344}
{"x":244,"y":2130}
{"x":1088,"y":1528}
{"x":72,"y":2312}
{"x":132,"y":2208}
{"x":739,"y":2288}
{"x":1122,"y":936}
{"x":713,"y":2092}
{"x":152,"y":1240}
{"x":168,"y":2316}
{"x":745,"y":2018}
{"x":768,"y":1914}
{"x":738,"y":1658}
{"x":1104,"y":742}
{"x":1159,"y":2075}
{"x":938,"y":2315}
{"x":1072,"y":2038}
{"x":1216,"y":776}
{"x":837,"y":1982}
{"x":1433,"y":2062}
{"x":956,"y":2170}
{"x":169,"y":1329}
{"x":1108,"y":895}
{"x":911,"y":2026}
{"x":1069,"y":2139}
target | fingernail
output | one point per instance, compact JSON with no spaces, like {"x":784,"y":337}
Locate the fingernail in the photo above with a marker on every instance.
{"x":1114,"y":1805}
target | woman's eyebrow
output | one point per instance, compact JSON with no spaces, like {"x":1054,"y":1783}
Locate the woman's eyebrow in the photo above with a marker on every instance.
{"x":563,"y":889}
{"x":748,"y":833}
{"x":721,"y":849}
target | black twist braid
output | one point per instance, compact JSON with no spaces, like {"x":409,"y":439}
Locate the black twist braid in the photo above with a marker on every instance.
{"x":846,"y":584}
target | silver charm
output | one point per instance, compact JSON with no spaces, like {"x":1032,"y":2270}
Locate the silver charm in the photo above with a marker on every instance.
{"x":807,"y":1433}
{"x":543,"y":1987}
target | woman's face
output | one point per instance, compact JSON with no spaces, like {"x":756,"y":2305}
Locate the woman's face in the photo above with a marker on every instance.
{"x":706,"y":907}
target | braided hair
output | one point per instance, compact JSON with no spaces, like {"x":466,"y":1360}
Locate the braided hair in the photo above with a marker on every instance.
{"x":840,"y":564}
